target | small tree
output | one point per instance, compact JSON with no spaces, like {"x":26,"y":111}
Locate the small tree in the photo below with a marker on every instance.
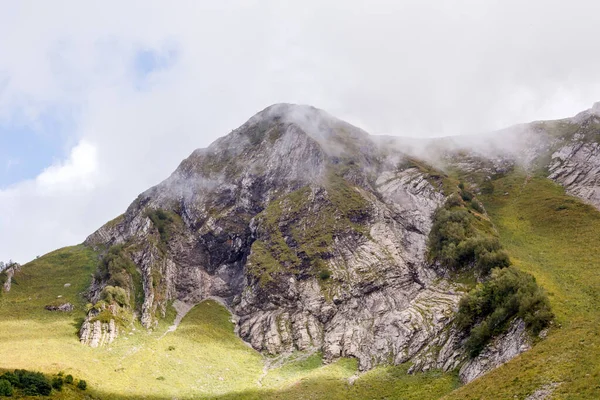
{"x":82,"y":385}
{"x":69,"y":379}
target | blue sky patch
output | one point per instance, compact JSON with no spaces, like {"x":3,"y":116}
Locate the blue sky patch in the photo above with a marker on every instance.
{"x":149,"y":61}
{"x":27,"y":150}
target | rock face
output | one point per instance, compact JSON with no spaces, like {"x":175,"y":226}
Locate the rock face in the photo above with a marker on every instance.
{"x":98,"y":333}
{"x":313,"y":234}
{"x":97,"y":329}
{"x":576,"y":166}
{"x":10,"y":272}
{"x":504,"y":348}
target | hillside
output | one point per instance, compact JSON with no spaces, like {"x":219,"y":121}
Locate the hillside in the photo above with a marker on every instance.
{"x":319,"y":263}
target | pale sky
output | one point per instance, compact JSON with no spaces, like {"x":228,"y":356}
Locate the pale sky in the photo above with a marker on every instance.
{"x":101,"y":100}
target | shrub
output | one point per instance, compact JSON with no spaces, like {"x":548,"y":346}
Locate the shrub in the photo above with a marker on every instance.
{"x":487,"y":310}
{"x":115,"y":294}
{"x":476,"y":205}
{"x":324,"y":274}
{"x":57,"y":383}
{"x":161,"y":220}
{"x":82,"y":385}
{"x":453,"y":200}
{"x":32,"y":383}
{"x":456,"y":243}
{"x":11,"y":377}
{"x":486,"y":259}
{"x":5,"y":388}
{"x":69,"y":379}
{"x":466,"y":195}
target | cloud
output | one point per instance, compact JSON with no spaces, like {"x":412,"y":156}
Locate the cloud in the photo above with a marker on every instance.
{"x":141,"y":84}
{"x":76,"y":171}
{"x":42,"y":214}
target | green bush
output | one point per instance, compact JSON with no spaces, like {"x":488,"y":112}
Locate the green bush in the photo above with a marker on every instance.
{"x":12,"y":378}
{"x":69,"y":379}
{"x":162,"y":221}
{"x":82,"y":385}
{"x":488,"y":259}
{"x":5,"y":388}
{"x":456,"y":243}
{"x":32,"y":383}
{"x":466,"y":195}
{"x":453,"y":200}
{"x":487,"y":310}
{"x":57,"y":383}
{"x":115,"y":294}
{"x":324,"y":274}
{"x":476,"y":205}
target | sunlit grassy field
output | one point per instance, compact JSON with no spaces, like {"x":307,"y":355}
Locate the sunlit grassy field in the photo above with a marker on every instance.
{"x":202,"y":359}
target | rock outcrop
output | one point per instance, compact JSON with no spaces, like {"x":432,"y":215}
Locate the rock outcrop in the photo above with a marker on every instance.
{"x":312,"y":233}
{"x":9,"y":273}
{"x":504,"y":348}
{"x":64,"y":307}
{"x":576,"y":166}
{"x":97,"y":333}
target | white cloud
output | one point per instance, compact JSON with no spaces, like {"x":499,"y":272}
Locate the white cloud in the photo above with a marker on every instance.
{"x":401,"y":67}
{"x":76,"y":172}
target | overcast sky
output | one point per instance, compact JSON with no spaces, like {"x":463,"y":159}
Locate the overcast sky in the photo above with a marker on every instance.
{"x":101,"y":100}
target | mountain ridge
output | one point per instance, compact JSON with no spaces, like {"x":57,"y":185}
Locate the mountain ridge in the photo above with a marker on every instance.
{"x":247,"y":233}
{"x":321,"y":242}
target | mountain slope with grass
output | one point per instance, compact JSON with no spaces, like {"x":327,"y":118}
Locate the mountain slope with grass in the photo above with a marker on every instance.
{"x":299,"y":257}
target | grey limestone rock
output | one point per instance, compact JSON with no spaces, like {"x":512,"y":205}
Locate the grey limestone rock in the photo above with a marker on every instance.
{"x":65,"y":307}
{"x":379,"y":301}
{"x":505,"y":347}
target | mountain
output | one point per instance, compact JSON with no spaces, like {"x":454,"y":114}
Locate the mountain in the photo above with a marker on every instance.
{"x":322,"y":240}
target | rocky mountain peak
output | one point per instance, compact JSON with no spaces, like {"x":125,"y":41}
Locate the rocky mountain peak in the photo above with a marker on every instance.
{"x":590,"y":115}
{"x":314,"y":236}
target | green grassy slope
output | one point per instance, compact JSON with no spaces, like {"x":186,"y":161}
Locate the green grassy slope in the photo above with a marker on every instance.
{"x":556,"y":238}
{"x":332,"y":382}
{"x":203,"y":358}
